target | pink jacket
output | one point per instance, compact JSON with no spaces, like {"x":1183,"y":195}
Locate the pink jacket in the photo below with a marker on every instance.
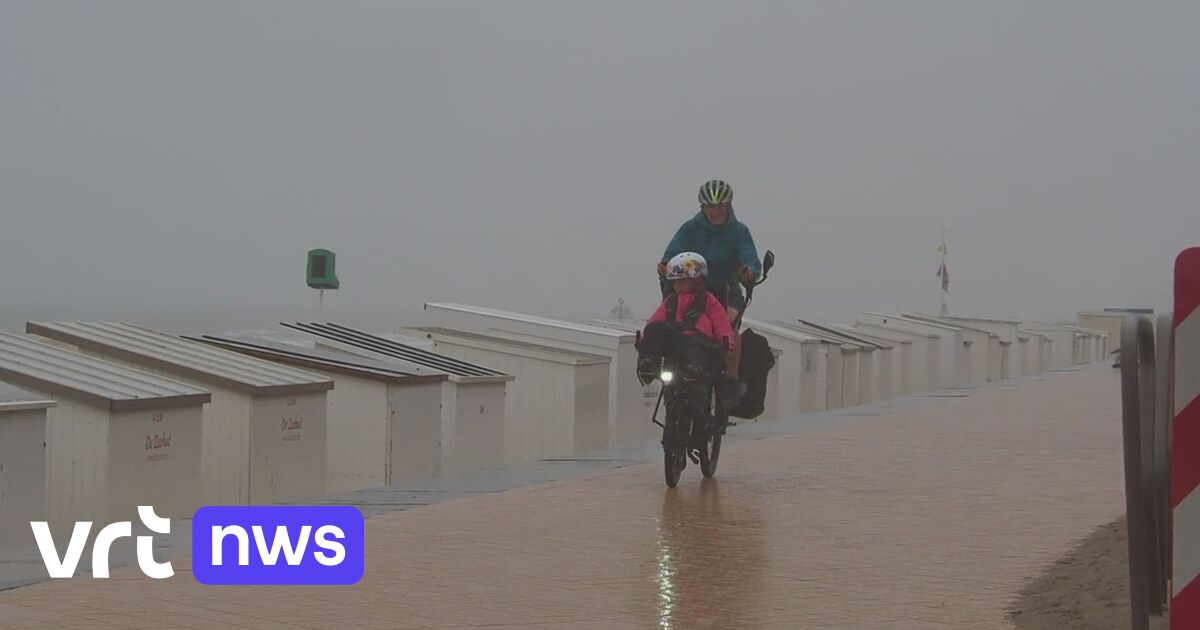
{"x":714,"y":323}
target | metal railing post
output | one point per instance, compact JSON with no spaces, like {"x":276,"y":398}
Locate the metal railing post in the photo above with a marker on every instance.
{"x":1150,"y":481}
{"x":1134,"y":500}
{"x":1163,"y":413}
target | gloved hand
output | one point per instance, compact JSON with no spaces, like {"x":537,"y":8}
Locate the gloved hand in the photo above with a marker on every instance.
{"x":746,"y":275}
{"x":648,"y":368}
{"x":662,"y":269}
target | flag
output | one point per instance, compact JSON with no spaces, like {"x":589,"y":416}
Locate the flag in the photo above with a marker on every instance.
{"x":945,"y":276}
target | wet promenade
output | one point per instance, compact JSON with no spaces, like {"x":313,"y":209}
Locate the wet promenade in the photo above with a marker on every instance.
{"x":919,"y":513}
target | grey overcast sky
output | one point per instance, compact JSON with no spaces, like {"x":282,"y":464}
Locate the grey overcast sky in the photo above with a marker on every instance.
{"x":160,"y":158}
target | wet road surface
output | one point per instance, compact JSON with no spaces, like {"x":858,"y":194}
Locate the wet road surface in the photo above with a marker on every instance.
{"x":932,"y":515}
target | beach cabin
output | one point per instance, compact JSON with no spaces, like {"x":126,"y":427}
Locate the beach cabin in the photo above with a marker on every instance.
{"x":879,"y":369}
{"x":22,"y":464}
{"x":980,"y":349}
{"x":628,"y":422}
{"x":558,"y":404}
{"x":263,"y":435}
{"x":473,"y":396}
{"x":384,"y":418}
{"x":115,"y":437}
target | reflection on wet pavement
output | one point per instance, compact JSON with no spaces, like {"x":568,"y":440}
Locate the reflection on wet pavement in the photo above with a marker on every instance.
{"x":711,"y":557}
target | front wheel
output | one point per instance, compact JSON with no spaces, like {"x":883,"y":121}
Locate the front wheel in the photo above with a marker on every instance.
{"x":675,"y":440}
{"x":710,"y":453}
{"x":674,"y":459}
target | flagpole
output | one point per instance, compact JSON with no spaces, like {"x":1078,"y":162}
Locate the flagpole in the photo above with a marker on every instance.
{"x":945,"y":310}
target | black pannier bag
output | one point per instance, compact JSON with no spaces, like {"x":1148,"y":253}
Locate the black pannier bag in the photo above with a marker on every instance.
{"x":755,"y":364}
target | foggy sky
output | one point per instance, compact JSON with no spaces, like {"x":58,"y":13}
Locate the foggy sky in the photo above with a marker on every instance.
{"x":169,"y":158}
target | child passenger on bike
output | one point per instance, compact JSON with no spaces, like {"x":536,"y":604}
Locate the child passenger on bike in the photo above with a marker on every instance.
{"x":687,"y":273}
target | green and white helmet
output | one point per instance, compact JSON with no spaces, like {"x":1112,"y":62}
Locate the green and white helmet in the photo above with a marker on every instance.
{"x":715,"y":192}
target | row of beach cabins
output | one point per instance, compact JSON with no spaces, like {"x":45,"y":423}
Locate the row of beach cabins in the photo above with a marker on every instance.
{"x":97,"y":418}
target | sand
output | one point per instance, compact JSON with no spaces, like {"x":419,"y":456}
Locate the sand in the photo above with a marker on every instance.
{"x":1086,"y":588}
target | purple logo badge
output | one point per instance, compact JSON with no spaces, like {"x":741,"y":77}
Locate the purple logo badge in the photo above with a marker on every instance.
{"x":279,"y":545}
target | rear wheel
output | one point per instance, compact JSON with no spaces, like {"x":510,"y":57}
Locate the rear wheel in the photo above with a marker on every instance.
{"x":710,"y":453}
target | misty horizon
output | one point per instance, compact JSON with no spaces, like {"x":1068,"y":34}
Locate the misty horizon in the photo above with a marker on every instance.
{"x":171,"y":164}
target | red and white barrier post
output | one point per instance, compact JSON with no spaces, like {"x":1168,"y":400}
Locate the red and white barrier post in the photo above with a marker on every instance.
{"x":1185,"y":445}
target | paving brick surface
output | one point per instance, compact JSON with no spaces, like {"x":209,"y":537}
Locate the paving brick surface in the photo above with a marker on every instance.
{"x":930,"y":516}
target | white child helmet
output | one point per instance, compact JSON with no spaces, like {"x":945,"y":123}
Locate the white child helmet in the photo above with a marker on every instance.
{"x":687,"y":265}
